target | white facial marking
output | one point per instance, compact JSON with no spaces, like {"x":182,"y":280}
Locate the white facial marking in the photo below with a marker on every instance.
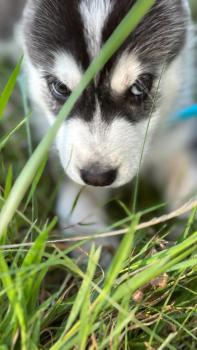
{"x":36,"y":83}
{"x":67,"y":70}
{"x":118,"y":145}
{"x":115,"y":145}
{"x":94,"y":14}
{"x":125,"y":73}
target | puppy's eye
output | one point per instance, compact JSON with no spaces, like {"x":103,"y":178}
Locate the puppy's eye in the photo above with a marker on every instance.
{"x":137,"y":89}
{"x":59,"y":90}
{"x":141,"y":88}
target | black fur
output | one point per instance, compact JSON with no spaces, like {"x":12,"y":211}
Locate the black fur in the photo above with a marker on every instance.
{"x":57,"y":24}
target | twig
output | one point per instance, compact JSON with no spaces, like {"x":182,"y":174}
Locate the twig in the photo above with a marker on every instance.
{"x":174,"y":214}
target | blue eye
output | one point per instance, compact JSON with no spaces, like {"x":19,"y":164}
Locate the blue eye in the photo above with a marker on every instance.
{"x":137,"y":89}
{"x":59,"y":90}
{"x":142,"y":87}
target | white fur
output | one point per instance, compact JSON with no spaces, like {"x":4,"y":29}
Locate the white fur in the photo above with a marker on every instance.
{"x":67,"y":70}
{"x":87,"y":218}
{"x":88,"y":211}
{"x":115,"y":145}
{"x":125,"y":72}
{"x":118,"y":145}
{"x":94,"y":14}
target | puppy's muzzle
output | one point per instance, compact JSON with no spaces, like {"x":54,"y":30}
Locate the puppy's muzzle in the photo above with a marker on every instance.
{"x":95,"y":175}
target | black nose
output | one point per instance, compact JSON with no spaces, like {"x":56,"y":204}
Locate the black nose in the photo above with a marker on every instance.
{"x":96,"y":176}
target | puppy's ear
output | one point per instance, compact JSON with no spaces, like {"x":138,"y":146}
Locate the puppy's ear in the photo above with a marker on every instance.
{"x":29,"y":8}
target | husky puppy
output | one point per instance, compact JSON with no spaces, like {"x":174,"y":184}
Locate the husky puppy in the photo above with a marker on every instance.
{"x":101,"y":142}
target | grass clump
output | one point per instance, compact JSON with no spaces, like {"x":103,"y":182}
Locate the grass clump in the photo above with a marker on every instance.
{"x":148,"y":297}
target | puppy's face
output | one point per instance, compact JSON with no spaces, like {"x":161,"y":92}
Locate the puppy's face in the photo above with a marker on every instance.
{"x":101,"y":142}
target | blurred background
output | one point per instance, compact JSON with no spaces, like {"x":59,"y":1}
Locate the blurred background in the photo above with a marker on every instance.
{"x":10,"y":12}
{"x":17,"y":149}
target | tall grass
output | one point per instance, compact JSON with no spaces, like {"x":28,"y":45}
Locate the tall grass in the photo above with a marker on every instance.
{"x":146,"y":299}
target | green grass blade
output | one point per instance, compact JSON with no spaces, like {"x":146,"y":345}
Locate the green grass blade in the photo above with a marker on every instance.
{"x":85,"y":314}
{"x":182,"y":266}
{"x":14,"y":296}
{"x":128,"y":24}
{"x":35,"y":182}
{"x":191,"y":220}
{"x":34,"y":257}
{"x":92,"y":263}
{"x":117,"y":264}
{"x":120,"y":321}
{"x":81,"y":296}
{"x":7,"y":137}
{"x":167,"y":261}
{"x":7,"y":92}
{"x":8,"y":183}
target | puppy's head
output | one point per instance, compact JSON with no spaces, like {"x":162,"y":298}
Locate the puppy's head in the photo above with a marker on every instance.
{"x":101,"y":142}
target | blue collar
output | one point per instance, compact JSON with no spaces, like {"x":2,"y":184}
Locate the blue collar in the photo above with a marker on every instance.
{"x":185,"y":114}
